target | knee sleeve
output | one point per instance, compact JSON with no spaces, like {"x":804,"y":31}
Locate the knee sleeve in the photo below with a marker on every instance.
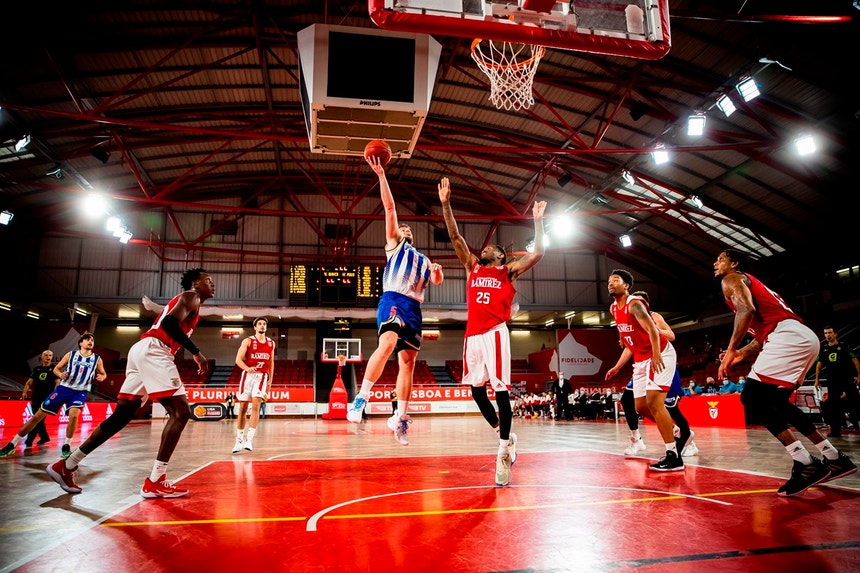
{"x":764,"y":400}
{"x":628,"y":404}
{"x":503,"y":401}
{"x":479,"y":395}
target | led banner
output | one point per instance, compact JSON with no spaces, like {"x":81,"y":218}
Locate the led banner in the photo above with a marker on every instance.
{"x":16,"y":413}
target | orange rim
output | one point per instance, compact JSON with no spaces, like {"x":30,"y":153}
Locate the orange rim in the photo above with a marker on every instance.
{"x":539,"y":53}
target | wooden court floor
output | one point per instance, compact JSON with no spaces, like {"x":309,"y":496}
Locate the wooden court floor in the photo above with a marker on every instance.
{"x":320,"y":495}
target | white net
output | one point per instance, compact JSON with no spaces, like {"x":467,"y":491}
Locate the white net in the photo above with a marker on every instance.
{"x":511,"y":68}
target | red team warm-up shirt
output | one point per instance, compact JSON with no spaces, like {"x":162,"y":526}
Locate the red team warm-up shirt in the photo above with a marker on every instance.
{"x":489,"y":295}
{"x":187,"y":325}
{"x":771,"y":310}
{"x":632,"y":334}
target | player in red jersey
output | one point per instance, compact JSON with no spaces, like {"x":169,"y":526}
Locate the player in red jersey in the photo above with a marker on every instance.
{"x":256,"y":358}
{"x":151,"y":372}
{"x":487,"y":348}
{"x":784,"y":351}
{"x":654,"y":361}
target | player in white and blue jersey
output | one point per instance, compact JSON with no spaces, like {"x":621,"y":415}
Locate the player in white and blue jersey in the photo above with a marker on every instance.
{"x":398,"y":317}
{"x":76,"y":371}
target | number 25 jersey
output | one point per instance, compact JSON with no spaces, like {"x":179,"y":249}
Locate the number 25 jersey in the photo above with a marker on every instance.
{"x":489,"y":295}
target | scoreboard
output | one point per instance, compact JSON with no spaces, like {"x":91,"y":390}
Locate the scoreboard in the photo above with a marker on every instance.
{"x":336,"y":285}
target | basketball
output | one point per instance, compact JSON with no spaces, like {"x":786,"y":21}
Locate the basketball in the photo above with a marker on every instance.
{"x":380,"y":149}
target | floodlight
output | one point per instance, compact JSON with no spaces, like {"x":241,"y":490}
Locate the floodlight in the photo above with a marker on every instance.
{"x":726,"y":105}
{"x":599,"y":199}
{"x":22,"y":143}
{"x":696,"y":124}
{"x":805,"y":144}
{"x":6,"y":217}
{"x":113,"y":223}
{"x":118,"y":232}
{"x":697,"y":201}
{"x":625,"y":241}
{"x":660,"y":154}
{"x":125,"y":237}
{"x":629,"y":177}
{"x":748,"y":89}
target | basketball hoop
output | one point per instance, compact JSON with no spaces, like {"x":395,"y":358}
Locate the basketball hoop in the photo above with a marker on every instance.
{"x":341,"y":360}
{"x":511,"y":68}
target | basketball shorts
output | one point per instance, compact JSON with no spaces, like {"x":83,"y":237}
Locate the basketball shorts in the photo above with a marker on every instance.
{"x":645,"y":379}
{"x":252,"y":385}
{"x":150,"y":371}
{"x":676,"y":391}
{"x":400,"y":314}
{"x":787,"y":355}
{"x":487,"y":357}
{"x":63,"y":395}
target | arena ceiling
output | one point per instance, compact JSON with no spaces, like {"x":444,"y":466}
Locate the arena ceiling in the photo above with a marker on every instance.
{"x":178,"y":106}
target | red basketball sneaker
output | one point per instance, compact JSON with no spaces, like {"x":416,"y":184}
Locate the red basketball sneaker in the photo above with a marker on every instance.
{"x":64,"y":477}
{"x":161,"y":488}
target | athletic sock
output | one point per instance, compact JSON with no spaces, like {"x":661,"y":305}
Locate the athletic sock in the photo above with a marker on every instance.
{"x":158,"y":469}
{"x":74,"y":459}
{"x":827,"y":450}
{"x":366,"y":387}
{"x":798,"y":453}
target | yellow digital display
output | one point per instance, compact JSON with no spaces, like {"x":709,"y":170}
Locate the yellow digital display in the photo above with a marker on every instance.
{"x":298,"y":279}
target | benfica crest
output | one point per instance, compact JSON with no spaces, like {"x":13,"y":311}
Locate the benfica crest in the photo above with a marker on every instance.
{"x":712,"y":410}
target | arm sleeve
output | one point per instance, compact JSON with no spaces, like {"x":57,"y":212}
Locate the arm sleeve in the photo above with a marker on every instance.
{"x":171,"y":327}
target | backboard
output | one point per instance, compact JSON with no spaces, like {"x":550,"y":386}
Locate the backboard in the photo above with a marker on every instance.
{"x":630,"y":28}
{"x":349,"y":348}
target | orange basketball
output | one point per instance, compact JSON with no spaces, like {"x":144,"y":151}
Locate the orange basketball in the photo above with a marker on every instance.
{"x":380,"y":149}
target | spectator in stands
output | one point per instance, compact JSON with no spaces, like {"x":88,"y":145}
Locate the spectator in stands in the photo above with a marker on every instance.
{"x":728,"y":387}
{"x":784,"y":350}
{"x":595,"y":403}
{"x":231,"y":398}
{"x":393,"y":402}
{"x":742,"y":381}
{"x":41,"y":382}
{"x":842,"y":372}
{"x":76,"y":370}
{"x":398,"y":320}
{"x":582,"y":403}
{"x":487,"y":349}
{"x":256,"y":359}
{"x":693,"y":389}
{"x":561,"y":388}
{"x":151,"y":371}
{"x":711,"y":385}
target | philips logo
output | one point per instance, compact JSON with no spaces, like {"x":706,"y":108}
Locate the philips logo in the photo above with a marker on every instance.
{"x":370,"y":103}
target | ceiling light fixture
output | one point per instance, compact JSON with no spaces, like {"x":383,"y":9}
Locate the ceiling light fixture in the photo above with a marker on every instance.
{"x":805,"y":145}
{"x":125,"y":237}
{"x":660,"y":154}
{"x":748,"y":89}
{"x":696,"y":124}
{"x":697,"y":201}
{"x":6,"y":217}
{"x":726,"y":105}
{"x":626,"y":241}
{"x":628,"y":177}
{"x":599,"y":199}
{"x":22,"y":143}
